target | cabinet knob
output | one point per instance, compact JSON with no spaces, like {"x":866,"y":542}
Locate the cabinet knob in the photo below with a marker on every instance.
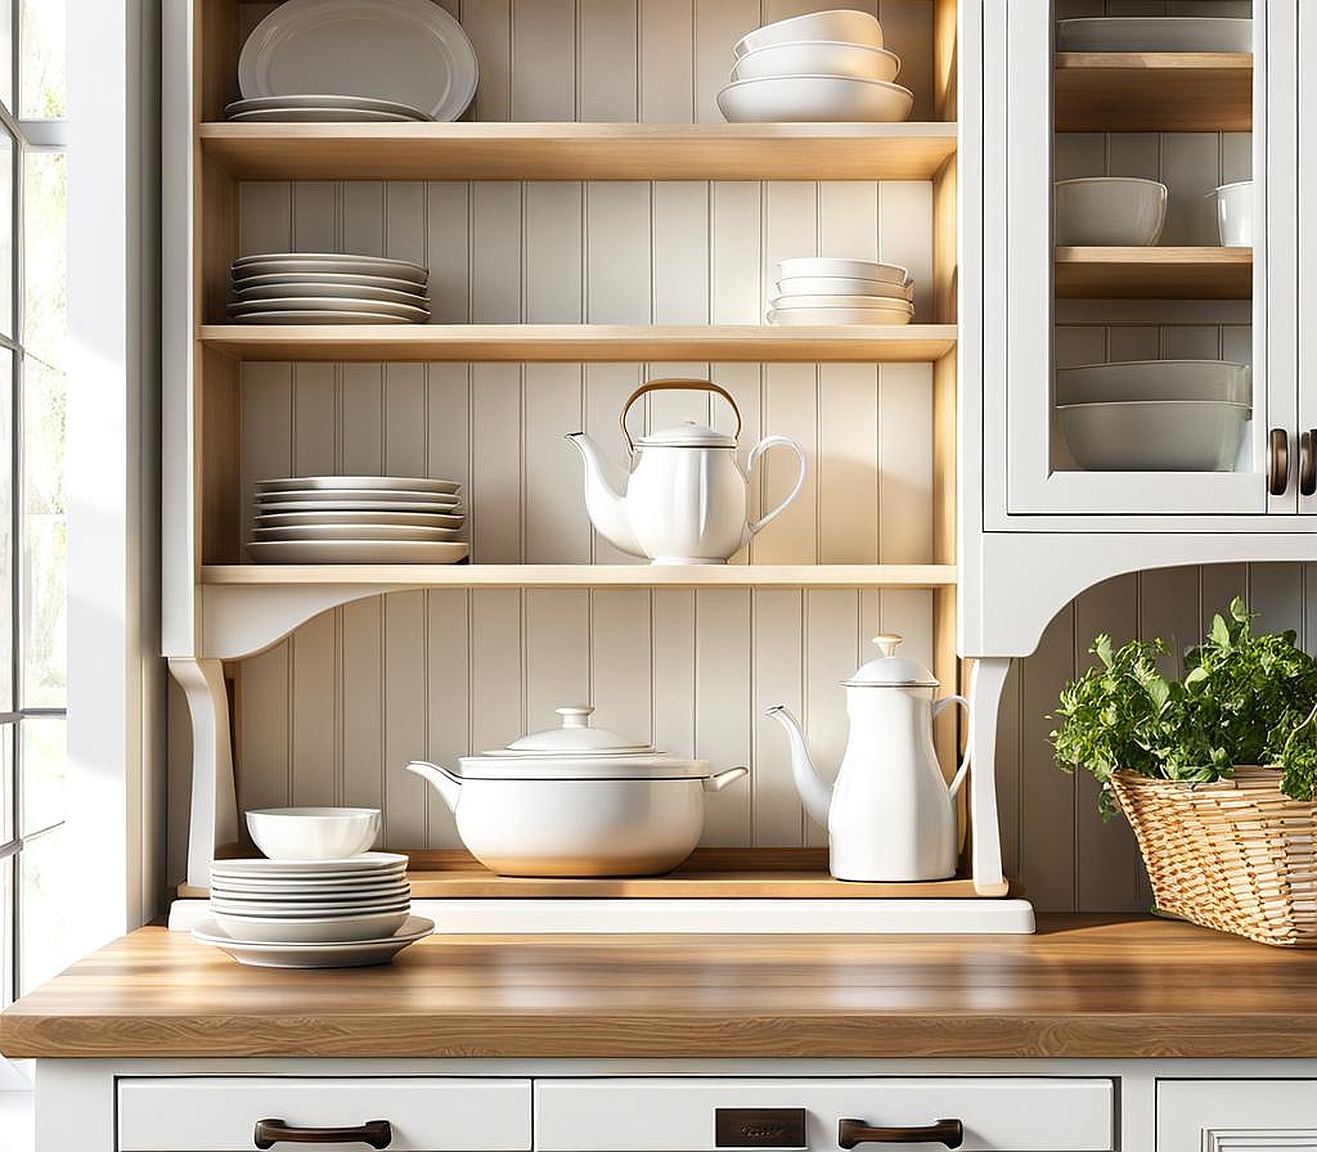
{"x":851,"y":1133}
{"x":1308,"y":462}
{"x":374,"y":1134}
{"x":1278,"y":461}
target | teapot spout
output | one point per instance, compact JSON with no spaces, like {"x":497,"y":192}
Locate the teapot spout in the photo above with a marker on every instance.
{"x":605,"y":506}
{"x":815,"y":794}
{"x":448,"y":785}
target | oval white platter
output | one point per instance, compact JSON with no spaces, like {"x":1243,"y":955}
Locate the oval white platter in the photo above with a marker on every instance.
{"x":355,"y":552}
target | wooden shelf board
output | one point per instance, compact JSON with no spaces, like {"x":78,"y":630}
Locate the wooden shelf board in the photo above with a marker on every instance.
{"x":710,"y":873}
{"x":1154,"y":91}
{"x":571,"y":343}
{"x":562,"y":151}
{"x":584,"y":575}
{"x":1155,"y":273}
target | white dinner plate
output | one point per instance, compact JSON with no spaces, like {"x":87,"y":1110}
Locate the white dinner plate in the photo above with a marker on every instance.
{"x":344,"y":263}
{"x":243,"y":280}
{"x":410,"y":51}
{"x":797,"y":316}
{"x":319,"y":116}
{"x":289,"y":290}
{"x":320,"y":100}
{"x":412,"y":519}
{"x":355,"y":532}
{"x":320,"y":317}
{"x":366,"y":863}
{"x":353,"y":955}
{"x":307,"y":910}
{"x":346,"y":505}
{"x":356,"y":552}
{"x":391,"y":484}
{"x":843,"y":286}
{"x":267,"y":889}
{"x":329,"y":305}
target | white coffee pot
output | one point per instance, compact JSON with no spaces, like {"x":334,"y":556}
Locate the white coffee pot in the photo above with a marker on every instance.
{"x":889,"y":815}
{"x":685,"y":500}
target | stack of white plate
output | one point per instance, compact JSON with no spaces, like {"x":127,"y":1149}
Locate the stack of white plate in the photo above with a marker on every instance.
{"x":328,"y":288}
{"x":830,"y":290}
{"x":312,"y":913}
{"x":326,"y":109}
{"x":825,"y":66}
{"x":357,"y":520}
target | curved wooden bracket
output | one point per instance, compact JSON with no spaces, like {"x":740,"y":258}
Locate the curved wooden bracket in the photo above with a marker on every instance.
{"x":241,"y":620}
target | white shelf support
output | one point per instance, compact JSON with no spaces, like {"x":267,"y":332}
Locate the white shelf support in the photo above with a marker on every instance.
{"x":214,"y":818}
{"x":988,"y":679}
{"x":240,"y":620}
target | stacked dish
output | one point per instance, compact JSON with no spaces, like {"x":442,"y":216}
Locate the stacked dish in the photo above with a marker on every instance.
{"x":339,"y":913}
{"x":371,"y":60}
{"x":828,"y":290}
{"x":357,"y":520}
{"x":1155,"y":34}
{"x":1155,"y":415}
{"x":328,"y":288}
{"x":825,"y":66}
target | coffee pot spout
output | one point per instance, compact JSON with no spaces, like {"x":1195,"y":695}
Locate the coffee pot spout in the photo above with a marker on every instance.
{"x":815,"y":794}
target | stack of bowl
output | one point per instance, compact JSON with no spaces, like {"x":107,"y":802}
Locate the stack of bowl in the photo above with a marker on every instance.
{"x":825,"y":66}
{"x":831,"y":290}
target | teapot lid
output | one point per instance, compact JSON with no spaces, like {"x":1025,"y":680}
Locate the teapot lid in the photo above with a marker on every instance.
{"x":575,"y":737}
{"x":891,"y":670}
{"x":688,"y":434}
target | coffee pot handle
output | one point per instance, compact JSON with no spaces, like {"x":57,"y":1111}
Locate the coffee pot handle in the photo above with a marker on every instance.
{"x":759,"y":449}
{"x":963,"y":770}
{"x":677,"y":384}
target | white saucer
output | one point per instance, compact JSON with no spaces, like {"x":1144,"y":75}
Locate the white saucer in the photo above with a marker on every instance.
{"x":357,"y":954}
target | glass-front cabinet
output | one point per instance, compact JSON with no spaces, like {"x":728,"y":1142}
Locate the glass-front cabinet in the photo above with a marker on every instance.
{"x":1142,"y":237}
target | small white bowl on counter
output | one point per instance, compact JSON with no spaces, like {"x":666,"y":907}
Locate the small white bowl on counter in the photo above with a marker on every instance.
{"x":1104,"y":211}
{"x":313,"y":833}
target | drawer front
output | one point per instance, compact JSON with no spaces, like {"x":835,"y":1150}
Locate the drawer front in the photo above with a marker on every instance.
{"x":682,"y":1114}
{"x":1236,"y":1115}
{"x":426,"y":1114}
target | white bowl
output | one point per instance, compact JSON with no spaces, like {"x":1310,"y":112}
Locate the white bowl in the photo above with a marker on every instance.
{"x":841,"y":266}
{"x":818,"y":58}
{"x":1155,"y":34}
{"x":814,"y":99}
{"x":1109,"y":210}
{"x":1218,"y":380}
{"x":895,"y":303}
{"x":313,"y":833}
{"x":1234,"y":214}
{"x":843,"y":286}
{"x":338,"y":929}
{"x":1155,"y":435}
{"x":873,"y":315}
{"x":843,"y":25}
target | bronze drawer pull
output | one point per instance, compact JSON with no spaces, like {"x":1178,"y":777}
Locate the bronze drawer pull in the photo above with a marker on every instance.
{"x":851,"y":1133}
{"x":373,"y":1133}
{"x":1278,"y":461}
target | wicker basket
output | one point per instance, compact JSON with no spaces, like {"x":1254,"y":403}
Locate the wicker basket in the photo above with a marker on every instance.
{"x":1238,"y":855}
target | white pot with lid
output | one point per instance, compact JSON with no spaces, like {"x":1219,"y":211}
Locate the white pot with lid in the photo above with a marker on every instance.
{"x":578,"y":801}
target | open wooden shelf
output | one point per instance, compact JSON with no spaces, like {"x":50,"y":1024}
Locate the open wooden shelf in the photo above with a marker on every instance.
{"x":572,"y":151}
{"x":710,"y":873}
{"x":584,"y":575}
{"x":1155,"y":273}
{"x":571,"y":343}
{"x":1154,"y":91}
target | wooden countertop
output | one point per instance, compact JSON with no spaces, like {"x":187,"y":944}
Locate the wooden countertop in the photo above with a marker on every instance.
{"x":1081,"y":987}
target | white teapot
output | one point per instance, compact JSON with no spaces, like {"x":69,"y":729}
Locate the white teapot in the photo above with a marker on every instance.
{"x":686,"y":497}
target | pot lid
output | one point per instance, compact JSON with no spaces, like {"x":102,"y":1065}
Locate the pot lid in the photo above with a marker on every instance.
{"x":574,"y":737}
{"x":688,"y":434}
{"x":891,"y":670}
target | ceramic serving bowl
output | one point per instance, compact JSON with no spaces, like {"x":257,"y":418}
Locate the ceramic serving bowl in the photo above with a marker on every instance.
{"x":842,"y":286}
{"x":813,"y":99}
{"x":1155,"y":34}
{"x":818,"y":58}
{"x":1218,"y":380}
{"x":896,"y":312}
{"x":1155,"y":435}
{"x":797,"y":266}
{"x":842,"y":25}
{"x":1234,"y":214}
{"x":1109,"y":210}
{"x":313,"y":833}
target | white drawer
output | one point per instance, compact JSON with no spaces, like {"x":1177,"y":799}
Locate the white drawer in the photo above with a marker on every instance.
{"x":1236,"y":1115}
{"x":680,"y":1114}
{"x":426,"y":1114}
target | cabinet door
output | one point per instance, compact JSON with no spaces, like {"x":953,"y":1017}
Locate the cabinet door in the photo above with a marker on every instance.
{"x":1050,"y":115}
{"x":1236,"y":1115}
{"x":1307,"y":246}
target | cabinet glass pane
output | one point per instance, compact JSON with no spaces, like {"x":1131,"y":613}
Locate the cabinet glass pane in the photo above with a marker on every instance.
{"x":43,"y":761}
{"x":6,"y":532}
{"x":8,"y":817}
{"x":7,"y":931}
{"x":45,"y":257}
{"x":45,"y":583}
{"x":42,"y":64}
{"x":46,"y":909}
{"x":8,"y":167}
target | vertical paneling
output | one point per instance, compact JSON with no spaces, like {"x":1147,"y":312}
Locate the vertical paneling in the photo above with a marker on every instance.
{"x":722,"y":706}
{"x":607,"y":87}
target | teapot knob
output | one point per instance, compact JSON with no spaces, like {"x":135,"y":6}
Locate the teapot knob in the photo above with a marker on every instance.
{"x":888,"y":643}
{"x":577,"y":716}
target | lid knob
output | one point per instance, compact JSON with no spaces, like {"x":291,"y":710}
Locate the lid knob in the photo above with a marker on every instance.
{"x":577,"y":716}
{"x":888,"y":643}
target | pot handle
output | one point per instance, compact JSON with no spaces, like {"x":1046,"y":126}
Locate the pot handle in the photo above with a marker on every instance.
{"x":719,"y":780}
{"x":759,"y":449}
{"x":963,"y":770}
{"x":677,"y":384}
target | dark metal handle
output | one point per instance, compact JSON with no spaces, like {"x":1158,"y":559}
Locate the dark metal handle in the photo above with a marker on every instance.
{"x":1278,"y":462}
{"x":851,"y":1133}
{"x":1308,"y":462}
{"x":373,"y":1133}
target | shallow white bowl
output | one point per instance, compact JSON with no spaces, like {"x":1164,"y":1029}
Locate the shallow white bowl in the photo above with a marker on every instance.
{"x":1218,"y":380}
{"x":814,"y":99}
{"x":1234,"y":214}
{"x":839,"y":24}
{"x":1155,"y":435}
{"x":797,"y":316}
{"x":818,"y":58}
{"x":1155,"y":34}
{"x":1109,"y":210}
{"x":335,"y":929}
{"x":843,"y":286}
{"x":794,"y":266}
{"x":313,"y":833}
{"x":896,"y":303}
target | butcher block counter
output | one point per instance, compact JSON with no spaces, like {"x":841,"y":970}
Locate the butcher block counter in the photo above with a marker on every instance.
{"x":1082,"y":987}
